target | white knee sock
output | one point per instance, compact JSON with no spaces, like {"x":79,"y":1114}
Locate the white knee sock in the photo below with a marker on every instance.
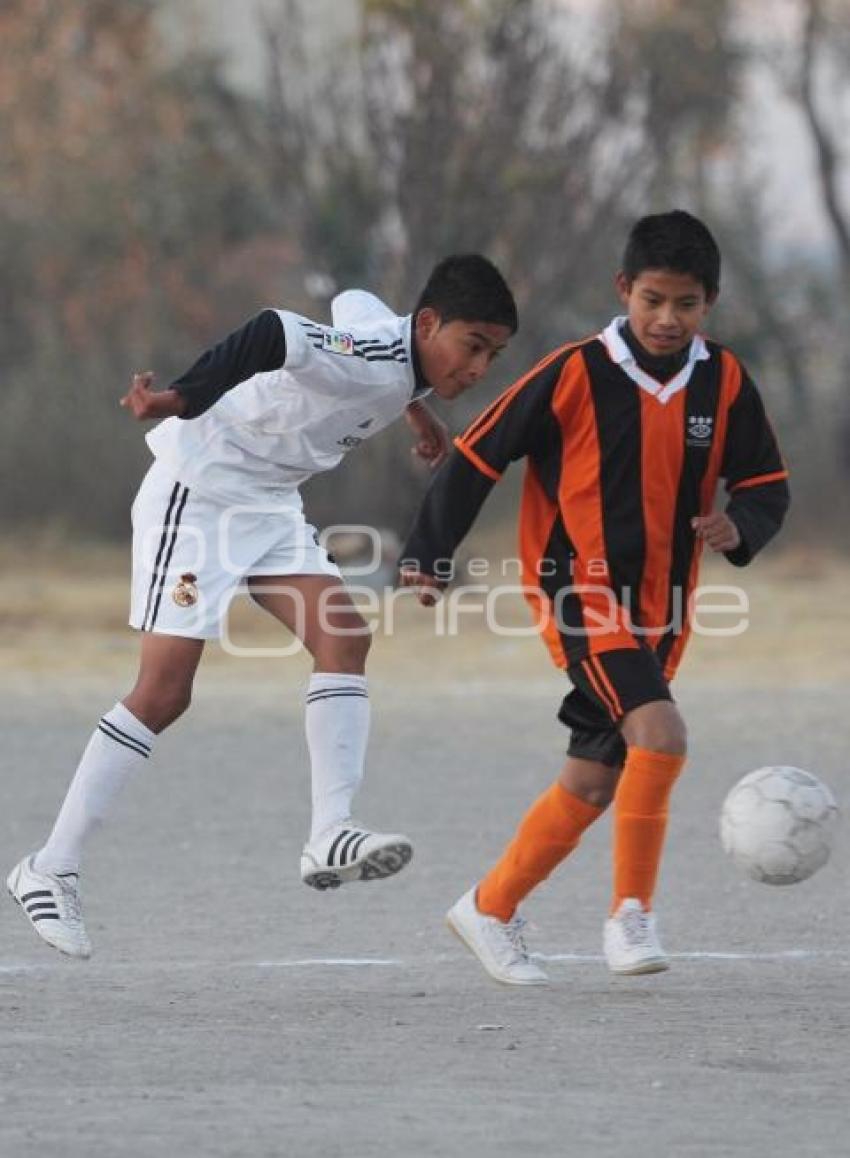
{"x":337,"y":724}
{"x":119,"y":746}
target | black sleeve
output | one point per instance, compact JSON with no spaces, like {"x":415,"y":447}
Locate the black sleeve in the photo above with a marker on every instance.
{"x":257,"y":346}
{"x":756,"y":476}
{"x":511,"y":426}
{"x":507,"y":430}
{"x":448,"y":511}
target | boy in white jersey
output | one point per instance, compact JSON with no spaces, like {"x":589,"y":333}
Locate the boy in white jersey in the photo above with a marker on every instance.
{"x":275,"y":402}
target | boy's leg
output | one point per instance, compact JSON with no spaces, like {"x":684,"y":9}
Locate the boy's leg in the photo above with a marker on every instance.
{"x":121,"y":744}
{"x":118,"y":748}
{"x":624,"y":690}
{"x":319,"y":611}
{"x":547,"y":834}
{"x":484,"y":918}
{"x":655,"y":734}
{"x":630,"y":685}
{"x":656,"y":739}
{"x":553,"y":826}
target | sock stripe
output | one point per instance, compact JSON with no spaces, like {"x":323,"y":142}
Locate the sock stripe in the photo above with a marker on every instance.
{"x":316,"y":696}
{"x":45,"y":917}
{"x":353,"y":690}
{"x":134,"y":747}
{"x":126,"y":735}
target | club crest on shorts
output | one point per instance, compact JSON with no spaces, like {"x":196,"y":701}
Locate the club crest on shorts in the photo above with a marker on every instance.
{"x":185,"y":594}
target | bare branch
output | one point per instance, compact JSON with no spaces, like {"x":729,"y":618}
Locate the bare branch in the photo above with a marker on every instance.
{"x":825,"y":148}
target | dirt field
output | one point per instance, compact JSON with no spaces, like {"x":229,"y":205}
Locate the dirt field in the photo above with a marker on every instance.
{"x":230,"y":1011}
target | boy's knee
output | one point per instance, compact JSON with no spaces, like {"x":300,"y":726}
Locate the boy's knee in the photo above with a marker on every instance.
{"x":158,"y":707}
{"x":656,"y":727}
{"x":343,"y":653}
{"x":600,"y":796}
{"x":177,"y":704}
{"x":590,"y":781}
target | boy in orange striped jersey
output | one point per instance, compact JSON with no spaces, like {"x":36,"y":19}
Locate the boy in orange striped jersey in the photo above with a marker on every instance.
{"x":625,"y":436}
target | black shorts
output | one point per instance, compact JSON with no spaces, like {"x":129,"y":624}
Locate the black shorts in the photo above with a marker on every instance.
{"x":607,"y":686}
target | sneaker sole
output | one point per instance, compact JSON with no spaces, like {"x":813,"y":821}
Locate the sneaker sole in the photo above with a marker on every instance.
{"x":656,"y":965}
{"x":461,"y":936}
{"x":379,"y":864}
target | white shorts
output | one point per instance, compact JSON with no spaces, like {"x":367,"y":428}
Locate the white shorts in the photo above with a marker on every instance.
{"x":191,"y":554}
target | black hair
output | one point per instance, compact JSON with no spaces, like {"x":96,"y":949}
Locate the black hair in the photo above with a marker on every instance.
{"x":468,"y":288}
{"x":676,"y":241}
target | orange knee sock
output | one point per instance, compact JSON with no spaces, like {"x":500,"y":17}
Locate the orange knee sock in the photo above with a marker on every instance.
{"x":549,"y":831}
{"x":640,"y":821}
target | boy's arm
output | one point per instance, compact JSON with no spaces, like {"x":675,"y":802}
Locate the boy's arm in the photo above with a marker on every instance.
{"x":433,"y":441}
{"x":448,"y":511}
{"x":143,"y":403}
{"x":506,"y":431}
{"x":755,"y":473}
{"x":259,"y":345}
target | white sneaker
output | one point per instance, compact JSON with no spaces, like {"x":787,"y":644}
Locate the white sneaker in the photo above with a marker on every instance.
{"x":52,"y":905}
{"x":631,"y":942}
{"x":498,"y":945}
{"x":347,"y":853}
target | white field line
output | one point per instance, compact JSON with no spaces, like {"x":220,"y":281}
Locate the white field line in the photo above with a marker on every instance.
{"x":706,"y":955}
{"x":11,"y":968}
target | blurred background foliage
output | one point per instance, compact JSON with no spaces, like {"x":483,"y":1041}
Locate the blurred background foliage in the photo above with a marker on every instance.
{"x":149,"y":203}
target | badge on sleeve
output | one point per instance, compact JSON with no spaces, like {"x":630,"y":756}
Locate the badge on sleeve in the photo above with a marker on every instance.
{"x":337,"y":342}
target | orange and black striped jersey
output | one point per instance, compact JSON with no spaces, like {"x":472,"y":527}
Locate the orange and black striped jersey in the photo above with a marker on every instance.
{"x":617,"y":466}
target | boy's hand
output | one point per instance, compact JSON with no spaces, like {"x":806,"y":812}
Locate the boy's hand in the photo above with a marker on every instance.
{"x":145,"y":404}
{"x":430,"y":588}
{"x":717,"y":530}
{"x":433,"y":440}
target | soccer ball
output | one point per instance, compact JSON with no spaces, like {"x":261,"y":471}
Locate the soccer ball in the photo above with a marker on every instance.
{"x":777,"y":825}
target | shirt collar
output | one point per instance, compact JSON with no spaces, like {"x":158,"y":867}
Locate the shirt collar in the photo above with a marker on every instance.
{"x":620,"y":353}
{"x":420,"y":385}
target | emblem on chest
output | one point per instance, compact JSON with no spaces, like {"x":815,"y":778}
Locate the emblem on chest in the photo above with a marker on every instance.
{"x":700,"y":429}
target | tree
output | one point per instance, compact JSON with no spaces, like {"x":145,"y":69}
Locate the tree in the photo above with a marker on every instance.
{"x":816,"y":77}
{"x":460,"y":125}
{"x":123,"y":195}
{"x":685,"y":74}
{"x":826,"y":33}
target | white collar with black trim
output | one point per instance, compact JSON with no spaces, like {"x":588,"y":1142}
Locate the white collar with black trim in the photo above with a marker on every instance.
{"x":620,"y":353}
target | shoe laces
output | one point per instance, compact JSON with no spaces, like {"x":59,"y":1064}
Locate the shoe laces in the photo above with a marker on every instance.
{"x":637,"y":927}
{"x":513,"y":937}
{"x":69,"y":900}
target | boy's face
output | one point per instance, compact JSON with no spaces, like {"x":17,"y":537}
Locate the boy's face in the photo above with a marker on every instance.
{"x":665,"y":308}
{"x":455,"y":355}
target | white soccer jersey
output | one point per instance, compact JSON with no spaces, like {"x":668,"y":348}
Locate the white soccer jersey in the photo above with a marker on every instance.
{"x":338,"y":386}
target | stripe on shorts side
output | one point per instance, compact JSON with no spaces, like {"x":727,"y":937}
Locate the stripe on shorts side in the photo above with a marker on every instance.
{"x":599,"y":689}
{"x":162,"y":541}
{"x":166,"y":563}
